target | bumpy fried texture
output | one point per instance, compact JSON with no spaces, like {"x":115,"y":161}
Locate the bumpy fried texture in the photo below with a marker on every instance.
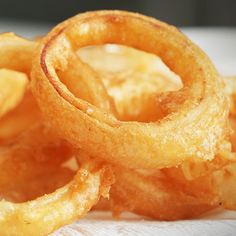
{"x":125,"y":72}
{"x":191,"y":180}
{"x":196,"y":116}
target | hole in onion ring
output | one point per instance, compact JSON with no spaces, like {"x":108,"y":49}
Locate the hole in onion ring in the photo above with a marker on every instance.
{"x":132,"y":78}
{"x":33,"y":164}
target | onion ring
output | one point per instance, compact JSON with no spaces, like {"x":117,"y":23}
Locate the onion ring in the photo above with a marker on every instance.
{"x":230,"y":89}
{"x":225,"y":185}
{"x":32,"y":164}
{"x":24,"y":115}
{"x":45,"y":214}
{"x":200,"y":105}
{"x":16,"y":53}
{"x":49,"y":212}
{"x":12,"y":88}
{"x":160,"y":197}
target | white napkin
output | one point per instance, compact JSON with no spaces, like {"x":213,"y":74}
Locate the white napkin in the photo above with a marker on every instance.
{"x":217,"y":223}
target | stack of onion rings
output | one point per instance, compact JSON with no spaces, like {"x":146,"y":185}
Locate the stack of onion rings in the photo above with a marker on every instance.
{"x":153,"y":136}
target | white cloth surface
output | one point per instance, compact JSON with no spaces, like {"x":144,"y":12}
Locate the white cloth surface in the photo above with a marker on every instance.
{"x":220,"y":45}
{"x":216,"y":223}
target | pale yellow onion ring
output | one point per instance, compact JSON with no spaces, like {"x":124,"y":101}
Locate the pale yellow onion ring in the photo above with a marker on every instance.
{"x":230,"y":89}
{"x":12,"y":88}
{"x":16,"y":53}
{"x":193,"y":131}
{"x":45,"y":214}
{"x":33,"y":164}
{"x":16,"y":121}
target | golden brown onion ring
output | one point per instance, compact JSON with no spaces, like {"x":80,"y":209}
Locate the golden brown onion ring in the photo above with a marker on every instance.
{"x":133,"y":79}
{"x":193,"y":131}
